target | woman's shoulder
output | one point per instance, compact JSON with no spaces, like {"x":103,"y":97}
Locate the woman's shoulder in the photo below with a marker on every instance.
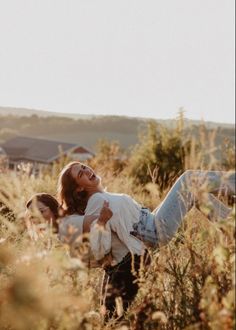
{"x":99,"y":196}
{"x":73,"y":219}
{"x":69,"y":225}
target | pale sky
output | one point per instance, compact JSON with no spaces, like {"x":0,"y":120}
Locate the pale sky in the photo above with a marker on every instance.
{"x":124,"y":57}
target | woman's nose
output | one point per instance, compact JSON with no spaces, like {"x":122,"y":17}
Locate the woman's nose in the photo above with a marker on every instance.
{"x":87,"y":171}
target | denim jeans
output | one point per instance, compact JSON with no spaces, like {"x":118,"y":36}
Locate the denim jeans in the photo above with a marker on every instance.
{"x":145,"y":229}
{"x":192,"y":187}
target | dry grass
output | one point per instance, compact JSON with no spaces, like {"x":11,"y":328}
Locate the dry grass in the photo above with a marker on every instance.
{"x":190,"y":284}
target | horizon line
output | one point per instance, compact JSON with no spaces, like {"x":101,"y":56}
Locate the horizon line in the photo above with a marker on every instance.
{"x":111,"y":115}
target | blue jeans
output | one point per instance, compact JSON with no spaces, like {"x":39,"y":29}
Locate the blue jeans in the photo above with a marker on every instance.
{"x":192,"y":187}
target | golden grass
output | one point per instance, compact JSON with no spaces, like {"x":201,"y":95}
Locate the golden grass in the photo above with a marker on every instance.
{"x":189,"y":285}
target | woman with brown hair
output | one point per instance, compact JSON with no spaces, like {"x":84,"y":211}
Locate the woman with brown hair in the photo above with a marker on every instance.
{"x":120,"y":276}
{"x":80,"y":188}
{"x":67,"y":225}
{"x":48,"y":207}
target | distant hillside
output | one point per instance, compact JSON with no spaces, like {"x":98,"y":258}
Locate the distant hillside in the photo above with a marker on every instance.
{"x":87,"y":131}
{"x":4,"y":111}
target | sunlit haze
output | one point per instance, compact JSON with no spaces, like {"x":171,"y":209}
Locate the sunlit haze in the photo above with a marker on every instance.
{"x":126,"y":57}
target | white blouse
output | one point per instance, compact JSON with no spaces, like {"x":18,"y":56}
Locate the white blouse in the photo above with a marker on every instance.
{"x":126,"y":213}
{"x":70,"y":227}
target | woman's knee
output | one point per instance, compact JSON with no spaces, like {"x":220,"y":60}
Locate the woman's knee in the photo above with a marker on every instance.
{"x":188,"y":180}
{"x":186,"y":175}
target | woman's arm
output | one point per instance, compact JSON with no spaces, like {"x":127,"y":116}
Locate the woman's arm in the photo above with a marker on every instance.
{"x":100,"y":240}
{"x":100,"y":231}
{"x":105,"y":215}
{"x":95,"y":204}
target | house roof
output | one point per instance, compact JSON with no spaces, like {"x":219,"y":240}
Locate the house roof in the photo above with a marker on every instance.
{"x":82,"y":150}
{"x":38,"y":150}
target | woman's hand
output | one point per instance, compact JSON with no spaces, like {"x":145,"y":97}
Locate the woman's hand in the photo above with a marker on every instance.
{"x":106,"y":261}
{"x":105,"y":214}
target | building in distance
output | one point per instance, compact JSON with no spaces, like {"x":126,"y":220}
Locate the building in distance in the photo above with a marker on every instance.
{"x":41,"y":152}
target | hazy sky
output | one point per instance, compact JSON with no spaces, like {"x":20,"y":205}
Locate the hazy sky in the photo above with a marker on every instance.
{"x":126,"y":57}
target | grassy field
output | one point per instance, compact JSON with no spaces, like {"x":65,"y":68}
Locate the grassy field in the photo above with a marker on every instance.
{"x":189,"y":285}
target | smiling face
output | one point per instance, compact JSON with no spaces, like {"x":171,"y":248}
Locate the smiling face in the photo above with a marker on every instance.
{"x":85,"y":178}
{"x":47,"y":206}
{"x":45,"y":211}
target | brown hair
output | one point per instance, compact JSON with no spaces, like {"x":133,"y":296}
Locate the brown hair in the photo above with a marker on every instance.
{"x":49,"y":201}
{"x":71,"y":200}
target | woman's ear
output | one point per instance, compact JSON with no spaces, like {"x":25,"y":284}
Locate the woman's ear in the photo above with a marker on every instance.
{"x":79,"y":189}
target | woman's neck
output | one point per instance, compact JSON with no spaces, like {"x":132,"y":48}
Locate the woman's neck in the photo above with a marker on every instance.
{"x":94,"y":191}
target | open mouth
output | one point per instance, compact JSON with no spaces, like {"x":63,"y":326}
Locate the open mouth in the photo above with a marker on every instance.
{"x":92,"y":177}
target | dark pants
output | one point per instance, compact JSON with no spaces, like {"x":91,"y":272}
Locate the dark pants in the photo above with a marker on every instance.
{"x":121,"y":281}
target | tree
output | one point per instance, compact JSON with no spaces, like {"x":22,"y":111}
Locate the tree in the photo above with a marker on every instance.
{"x":109,"y":156}
{"x":159,"y":157}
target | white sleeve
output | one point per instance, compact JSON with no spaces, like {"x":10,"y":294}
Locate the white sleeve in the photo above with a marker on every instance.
{"x":95,"y":204}
{"x":100,"y":240}
{"x":100,"y":237}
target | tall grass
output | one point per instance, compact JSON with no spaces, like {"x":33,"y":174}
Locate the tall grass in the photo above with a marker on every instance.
{"x":189,"y":285}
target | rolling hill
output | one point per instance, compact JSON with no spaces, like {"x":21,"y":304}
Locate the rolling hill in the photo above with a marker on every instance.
{"x":88,"y":130}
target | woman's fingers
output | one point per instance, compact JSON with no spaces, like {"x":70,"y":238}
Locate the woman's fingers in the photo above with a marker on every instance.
{"x":106,"y":204}
{"x":106,"y":213}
